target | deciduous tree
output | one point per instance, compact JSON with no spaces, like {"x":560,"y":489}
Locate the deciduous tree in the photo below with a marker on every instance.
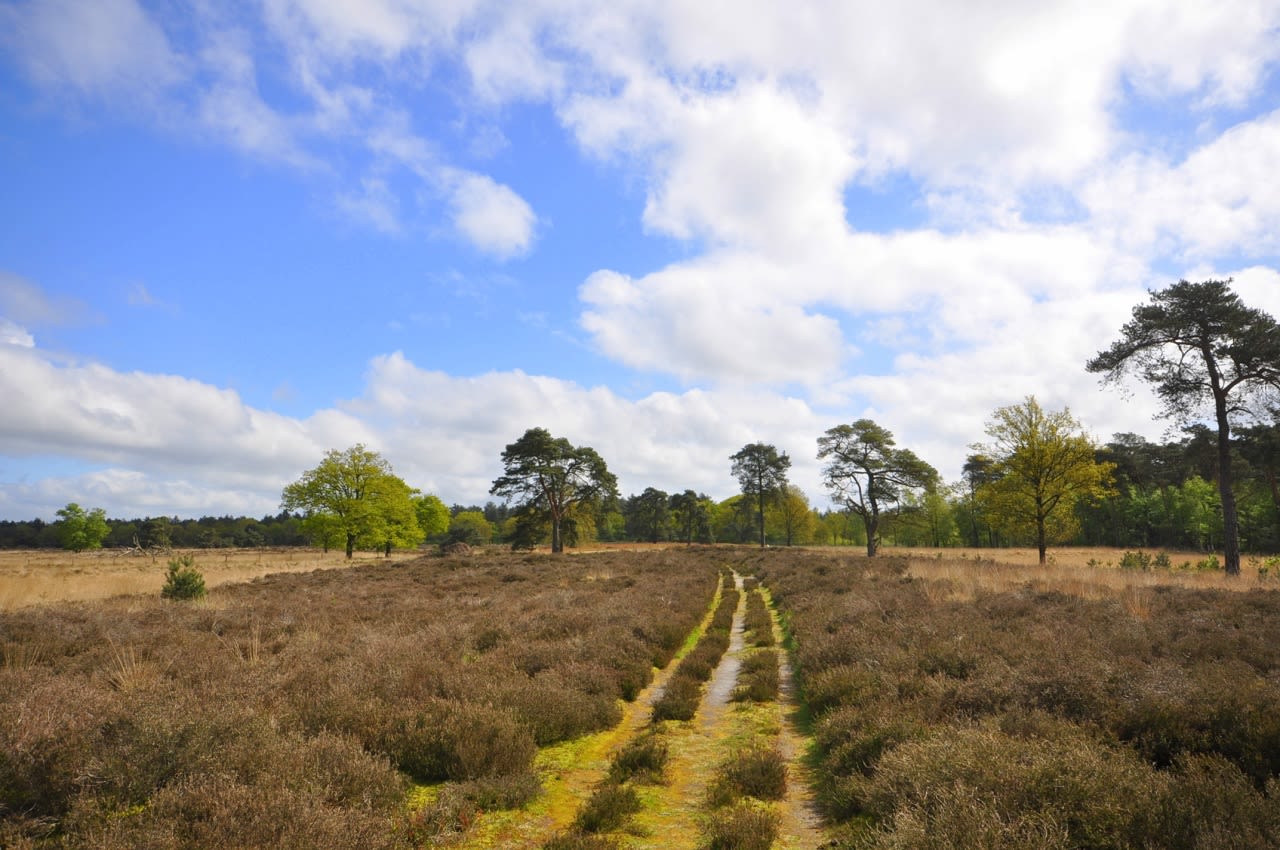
{"x":433,"y":515}
{"x":762,"y":473}
{"x":79,"y":529}
{"x":1198,"y":344}
{"x":551,"y":478}
{"x":353,"y":497}
{"x":866,"y":473}
{"x":1043,"y":465}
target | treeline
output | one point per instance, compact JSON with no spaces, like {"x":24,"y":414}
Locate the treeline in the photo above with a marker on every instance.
{"x":284,"y":529}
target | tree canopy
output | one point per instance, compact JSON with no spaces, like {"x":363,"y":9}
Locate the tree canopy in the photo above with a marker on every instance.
{"x":80,"y":529}
{"x":1199,"y":346}
{"x":1043,"y":464}
{"x":352,"y":497}
{"x":865,"y":472}
{"x":762,"y":473}
{"x":551,"y":480}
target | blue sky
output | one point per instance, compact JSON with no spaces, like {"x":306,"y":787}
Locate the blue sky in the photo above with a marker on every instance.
{"x":234,"y":238}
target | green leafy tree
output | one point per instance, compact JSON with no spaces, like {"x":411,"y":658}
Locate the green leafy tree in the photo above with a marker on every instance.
{"x":790,"y":519}
{"x":155,"y":533}
{"x":79,"y":529}
{"x":553,"y":480}
{"x":1043,"y":465}
{"x":433,"y":516}
{"x":470,"y":527}
{"x":354,"y":497}
{"x":762,"y":474}
{"x":1198,"y":344}
{"x":866,"y":473}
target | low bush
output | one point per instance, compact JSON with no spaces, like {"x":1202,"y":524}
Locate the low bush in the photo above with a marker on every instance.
{"x":607,"y":809}
{"x":643,"y":759}
{"x":580,"y":841}
{"x":759,"y":772}
{"x":741,"y":827}
{"x":759,"y":622}
{"x":679,"y":700}
{"x":758,"y":678}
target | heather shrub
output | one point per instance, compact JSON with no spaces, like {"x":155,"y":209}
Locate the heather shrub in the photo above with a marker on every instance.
{"x":457,"y":741}
{"x":643,"y":759}
{"x":680,"y":699}
{"x":1097,"y":796}
{"x":758,"y":620}
{"x":844,"y":684}
{"x":759,"y":772}
{"x":744,"y":826}
{"x":580,"y":841}
{"x":758,"y":678}
{"x":607,"y":809}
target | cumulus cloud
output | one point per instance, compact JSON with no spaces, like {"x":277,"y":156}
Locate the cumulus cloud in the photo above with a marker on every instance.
{"x":491,"y":216}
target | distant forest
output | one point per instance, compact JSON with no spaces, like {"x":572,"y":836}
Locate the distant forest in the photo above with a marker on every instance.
{"x":1163,"y":496}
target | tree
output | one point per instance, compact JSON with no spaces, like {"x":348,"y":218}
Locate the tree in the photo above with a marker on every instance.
{"x":80,"y":530}
{"x":551,"y":478}
{"x":762,"y":474}
{"x":470,"y":527}
{"x":433,"y":515}
{"x":866,"y":473}
{"x":791,"y":518}
{"x":691,"y":515}
{"x":648,"y":515}
{"x":1043,"y":465}
{"x":1198,"y":343}
{"x":354,"y":497}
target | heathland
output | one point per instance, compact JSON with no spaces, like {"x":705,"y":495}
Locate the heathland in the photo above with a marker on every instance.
{"x":708,"y":697}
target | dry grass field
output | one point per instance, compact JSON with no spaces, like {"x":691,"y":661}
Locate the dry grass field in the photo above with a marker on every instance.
{"x":35,"y":577}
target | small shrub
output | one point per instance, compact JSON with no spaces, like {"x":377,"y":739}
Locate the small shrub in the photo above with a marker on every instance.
{"x":579,"y":841}
{"x":757,"y":772}
{"x":1162,"y":561}
{"x":743,"y":827}
{"x":758,"y":680}
{"x":608,"y":809}
{"x":1135,"y":561}
{"x":642,"y":759}
{"x":679,"y":701}
{"x":183,"y":581}
{"x":1208,"y":565}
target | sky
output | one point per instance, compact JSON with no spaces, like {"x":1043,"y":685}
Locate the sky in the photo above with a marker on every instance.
{"x":234,"y":236}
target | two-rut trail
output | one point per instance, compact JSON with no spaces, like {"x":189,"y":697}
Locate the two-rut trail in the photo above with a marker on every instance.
{"x":673,"y":811}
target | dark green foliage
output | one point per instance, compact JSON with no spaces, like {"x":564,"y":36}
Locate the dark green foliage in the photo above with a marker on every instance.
{"x":183,"y":581}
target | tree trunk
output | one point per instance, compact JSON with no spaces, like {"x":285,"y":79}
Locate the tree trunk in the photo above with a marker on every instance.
{"x":1230,"y":519}
{"x":557,"y":544}
{"x":761,"y":513}
{"x":351,"y":544}
{"x":1041,"y":543}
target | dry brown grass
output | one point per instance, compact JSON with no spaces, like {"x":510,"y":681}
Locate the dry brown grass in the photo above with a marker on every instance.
{"x":37,"y":577}
{"x":960,"y":575}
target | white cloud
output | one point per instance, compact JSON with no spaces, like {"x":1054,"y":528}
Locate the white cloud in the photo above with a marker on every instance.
{"x":107,"y":48}
{"x":11,"y":333}
{"x":491,"y":216}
